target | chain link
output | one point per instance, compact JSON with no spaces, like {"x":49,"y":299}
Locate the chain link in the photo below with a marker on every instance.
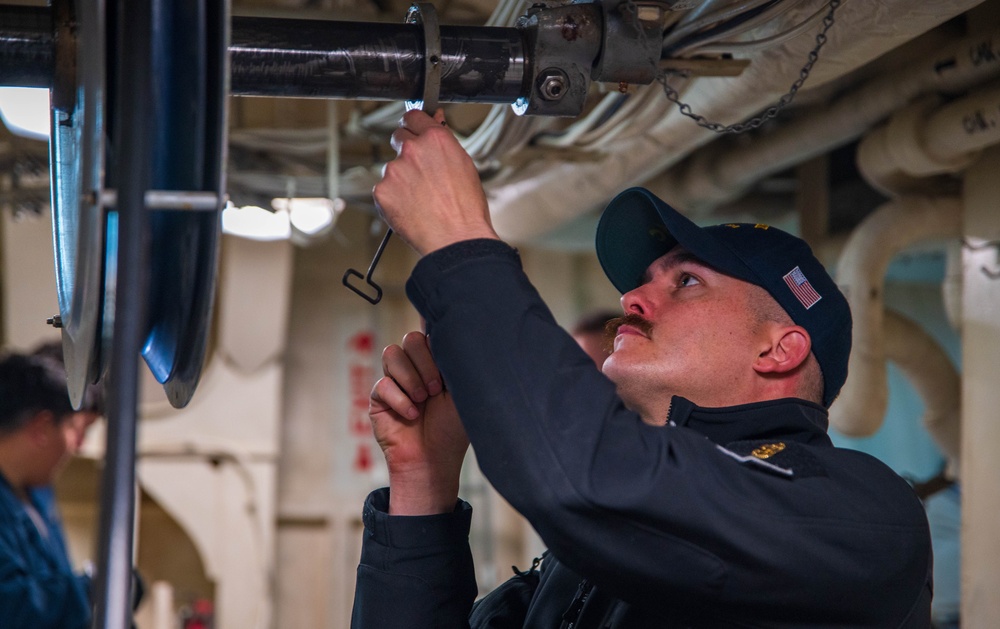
{"x":769,"y":113}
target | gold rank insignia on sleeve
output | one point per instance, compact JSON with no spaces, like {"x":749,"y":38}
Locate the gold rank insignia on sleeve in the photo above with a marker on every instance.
{"x":768,"y":450}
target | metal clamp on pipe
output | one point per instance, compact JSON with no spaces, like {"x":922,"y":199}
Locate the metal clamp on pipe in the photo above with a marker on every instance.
{"x":630,"y":42}
{"x":424,"y":14}
{"x":563,"y":43}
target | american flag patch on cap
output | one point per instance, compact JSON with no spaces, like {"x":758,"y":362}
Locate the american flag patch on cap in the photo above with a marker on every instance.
{"x":801,"y":288}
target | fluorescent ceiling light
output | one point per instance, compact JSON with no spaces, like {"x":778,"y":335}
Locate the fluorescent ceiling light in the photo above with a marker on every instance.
{"x":25,"y":111}
{"x":310,"y":217}
{"x":256,"y":223}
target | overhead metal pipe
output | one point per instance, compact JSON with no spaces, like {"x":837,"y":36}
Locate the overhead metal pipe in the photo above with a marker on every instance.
{"x":26,"y":46}
{"x":316,"y":58}
{"x":373,"y":61}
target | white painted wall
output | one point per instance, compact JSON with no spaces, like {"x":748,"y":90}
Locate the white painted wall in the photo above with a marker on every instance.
{"x":29,"y":284}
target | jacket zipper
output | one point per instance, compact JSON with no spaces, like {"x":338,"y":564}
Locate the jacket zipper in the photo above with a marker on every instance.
{"x":572,"y":613}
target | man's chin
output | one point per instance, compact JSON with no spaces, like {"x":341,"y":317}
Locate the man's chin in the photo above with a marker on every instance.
{"x":613,"y":368}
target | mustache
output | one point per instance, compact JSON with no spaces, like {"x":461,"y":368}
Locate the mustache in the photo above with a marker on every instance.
{"x":630,"y":319}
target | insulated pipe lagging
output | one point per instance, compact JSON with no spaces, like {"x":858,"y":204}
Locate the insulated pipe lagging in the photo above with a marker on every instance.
{"x":963,"y":126}
{"x":724,"y":172}
{"x":936,"y":380}
{"x":930,"y":138}
{"x":861,"y":269}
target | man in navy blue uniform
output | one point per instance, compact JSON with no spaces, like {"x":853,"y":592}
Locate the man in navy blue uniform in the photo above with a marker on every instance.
{"x":692,"y":484}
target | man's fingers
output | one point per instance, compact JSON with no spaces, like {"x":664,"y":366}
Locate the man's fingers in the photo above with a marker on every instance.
{"x":387,"y":395}
{"x":414,"y":123}
{"x":399,"y":136}
{"x":399,"y":365}
{"x":416,"y":120}
{"x":416,"y":347}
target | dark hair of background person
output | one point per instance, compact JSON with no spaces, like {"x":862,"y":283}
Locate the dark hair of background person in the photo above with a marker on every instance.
{"x":592,"y":333}
{"x":36,"y":382}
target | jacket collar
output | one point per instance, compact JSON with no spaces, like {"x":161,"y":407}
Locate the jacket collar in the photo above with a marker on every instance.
{"x":789,"y":418}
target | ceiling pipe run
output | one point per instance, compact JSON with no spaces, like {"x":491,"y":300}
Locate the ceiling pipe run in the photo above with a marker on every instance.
{"x":549,"y":194}
{"x":930,"y":138}
{"x":892,"y":228}
{"x":911,"y":151}
{"x":723,"y":173}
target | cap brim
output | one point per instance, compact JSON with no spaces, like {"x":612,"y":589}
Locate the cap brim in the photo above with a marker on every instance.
{"x":637,"y":228}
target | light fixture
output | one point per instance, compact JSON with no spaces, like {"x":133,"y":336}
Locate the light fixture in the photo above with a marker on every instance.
{"x":255,"y":223}
{"x":25,"y":111}
{"x":310,"y":218}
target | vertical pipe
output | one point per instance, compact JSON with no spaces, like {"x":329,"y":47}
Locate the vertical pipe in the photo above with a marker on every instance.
{"x":980,"y":395}
{"x":162,"y":594}
{"x":891,"y":228}
{"x":132,"y":131}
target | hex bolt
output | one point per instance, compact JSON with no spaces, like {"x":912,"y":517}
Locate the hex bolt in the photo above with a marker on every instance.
{"x":55,"y":321}
{"x":552,"y":84}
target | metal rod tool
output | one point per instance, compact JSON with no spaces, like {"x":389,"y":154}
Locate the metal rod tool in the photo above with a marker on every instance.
{"x":424,"y":14}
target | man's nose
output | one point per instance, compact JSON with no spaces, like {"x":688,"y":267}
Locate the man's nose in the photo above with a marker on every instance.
{"x":636,"y":302}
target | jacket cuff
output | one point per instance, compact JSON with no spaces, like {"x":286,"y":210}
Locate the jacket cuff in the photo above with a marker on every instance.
{"x":432,"y":269}
{"x":413,"y":531}
{"x":446,"y":258}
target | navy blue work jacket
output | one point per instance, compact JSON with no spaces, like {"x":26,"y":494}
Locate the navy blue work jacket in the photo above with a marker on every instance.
{"x":38,"y":588}
{"x":744,"y":516}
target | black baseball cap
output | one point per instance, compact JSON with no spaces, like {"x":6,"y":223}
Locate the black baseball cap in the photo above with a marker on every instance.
{"x":637,"y":228}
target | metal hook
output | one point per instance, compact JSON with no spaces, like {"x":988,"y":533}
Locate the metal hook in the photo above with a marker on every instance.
{"x":368,"y":276}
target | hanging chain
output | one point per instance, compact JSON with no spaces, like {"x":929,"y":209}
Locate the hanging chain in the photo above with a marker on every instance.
{"x":772,"y":111}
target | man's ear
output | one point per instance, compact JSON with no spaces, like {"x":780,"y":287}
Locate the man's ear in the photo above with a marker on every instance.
{"x":789,"y":348}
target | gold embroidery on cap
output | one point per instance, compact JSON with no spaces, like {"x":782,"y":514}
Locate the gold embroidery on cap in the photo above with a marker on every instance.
{"x":733,"y":225}
{"x":762,"y":226}
{"x":767,"y":451}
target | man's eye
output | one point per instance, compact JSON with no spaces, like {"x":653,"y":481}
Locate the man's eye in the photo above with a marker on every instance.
{"x":687,"y":280}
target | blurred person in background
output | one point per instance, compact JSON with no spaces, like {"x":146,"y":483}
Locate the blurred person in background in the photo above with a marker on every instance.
{"x":39,"y":432}
{"x":590,"y":331}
